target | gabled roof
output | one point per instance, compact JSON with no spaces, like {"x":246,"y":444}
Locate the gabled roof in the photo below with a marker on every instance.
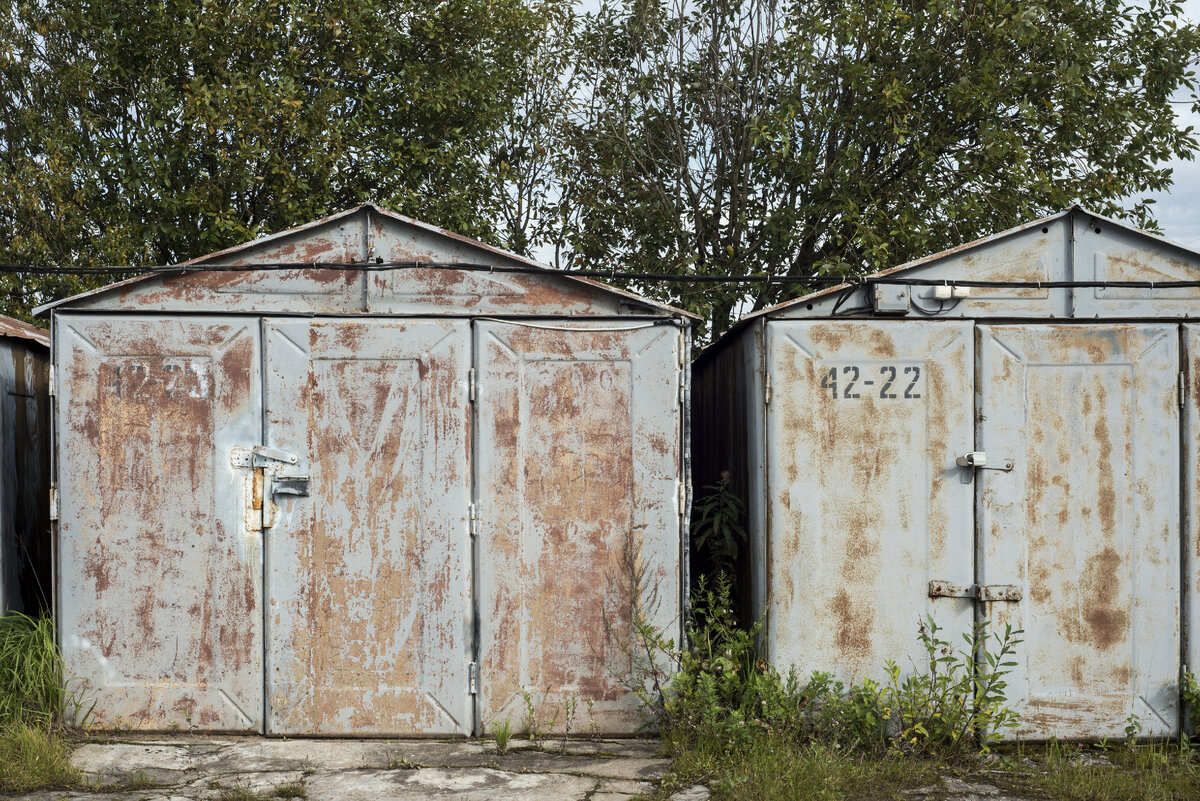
{"x":316,"y":242}
{"x":1029,"y":271}
{"x":19,"y":330}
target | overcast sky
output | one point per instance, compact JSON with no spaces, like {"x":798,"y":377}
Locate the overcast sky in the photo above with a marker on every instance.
{"x":1177,"y":210}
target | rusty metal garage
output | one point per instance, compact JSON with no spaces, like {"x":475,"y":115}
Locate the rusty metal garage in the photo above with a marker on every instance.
{"x":388,"y":499}
{"x":1006,"y":431}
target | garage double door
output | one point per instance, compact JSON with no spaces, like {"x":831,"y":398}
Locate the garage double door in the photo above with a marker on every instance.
{"x":1017,"y":474}
{"x":363,"y":526}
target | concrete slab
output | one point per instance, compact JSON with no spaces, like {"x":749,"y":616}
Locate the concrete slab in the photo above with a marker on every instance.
{"x":464,"y":784}
{"x":200,"y":768}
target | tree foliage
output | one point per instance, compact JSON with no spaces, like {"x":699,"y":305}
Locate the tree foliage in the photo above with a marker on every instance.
{"x":151,"y":131}
{"x":806,"y":137}
{"x":793,"y":137}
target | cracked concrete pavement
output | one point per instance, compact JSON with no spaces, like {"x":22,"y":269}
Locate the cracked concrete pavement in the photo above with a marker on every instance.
{"x":191,"y":768}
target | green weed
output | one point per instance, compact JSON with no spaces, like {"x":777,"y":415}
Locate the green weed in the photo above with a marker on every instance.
{"x":718,"y":527}
{"x":291,"y":790}
{"x":32,"y":684}
{"x":1150,"y":772}
{"x":723,"y":690}
{"x":34,"y":753}
{"x":503,"y":733}
{"x":34,"y":756}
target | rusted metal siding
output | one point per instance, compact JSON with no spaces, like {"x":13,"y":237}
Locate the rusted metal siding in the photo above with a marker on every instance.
{"x":1086,"y":524}
{"x":1074,"y":245}
{"x":159,"y":576}
{"x":25,"y":583}
{"x":866,"y":505}
{"x":578,"y":470}
{"x":220,"y":454}
{"x":1190,"y":489}
{"x":368,"y":235}
{"x":368,"y":578}
{"x":1105,"y":251}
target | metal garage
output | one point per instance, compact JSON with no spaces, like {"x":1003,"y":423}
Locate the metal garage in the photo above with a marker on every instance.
{"x":1006,"y":431}
{"x":382,"y":499}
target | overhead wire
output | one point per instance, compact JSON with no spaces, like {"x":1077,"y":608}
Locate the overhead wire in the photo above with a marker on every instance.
{"x":852,"y":284}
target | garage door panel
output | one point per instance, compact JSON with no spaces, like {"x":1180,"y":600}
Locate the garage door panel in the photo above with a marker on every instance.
{"x":866,"y":502}
{"x":160,"y":579}
{"x":368,"y":578}
{"x":1086,"y":523}
{"x":578,"y":509}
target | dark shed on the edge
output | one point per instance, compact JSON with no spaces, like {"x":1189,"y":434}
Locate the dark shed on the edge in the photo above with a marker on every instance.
{"x":409,"y":500}
{"x":1024,"y":451}
{"x":24,"y":467}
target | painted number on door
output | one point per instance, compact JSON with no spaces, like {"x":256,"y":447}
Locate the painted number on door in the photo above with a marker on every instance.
{"x":889,"y":382}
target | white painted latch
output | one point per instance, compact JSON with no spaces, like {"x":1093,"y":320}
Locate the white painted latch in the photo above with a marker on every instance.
{"x":473,"y":673}
{"x":53,"y":503}
{"x":979,"y":461}
{"x":262,"y":456}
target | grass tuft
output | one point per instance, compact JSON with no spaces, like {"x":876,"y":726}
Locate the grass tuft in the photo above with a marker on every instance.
{"x":291,"y":790}
{"x":34,"y":753}
{"x":34,"y":757}
{"x":32,"y":685}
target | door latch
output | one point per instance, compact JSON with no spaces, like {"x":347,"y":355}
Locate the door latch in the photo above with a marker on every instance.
{"x":979,"y":592}
{"x":290,"y":485}
{"x":265,"y":482}
{"x":978,"y":460}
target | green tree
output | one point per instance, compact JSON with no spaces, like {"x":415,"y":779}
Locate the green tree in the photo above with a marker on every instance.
{"x":805,"y":137}
{"x":528,"y":181}
{"x":151,"y":131}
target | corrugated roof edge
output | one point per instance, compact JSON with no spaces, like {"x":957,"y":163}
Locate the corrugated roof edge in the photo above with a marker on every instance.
{"x":909,"y":265}
{"x":220,"y":255}
{"x":19,"y":330}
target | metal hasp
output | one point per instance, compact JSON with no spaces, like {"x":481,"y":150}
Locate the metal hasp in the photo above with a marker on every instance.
{"x":987,"y":593}
{"x":1016,"y":448}
{"x":367,"y":502}
{"x":978,"y":460}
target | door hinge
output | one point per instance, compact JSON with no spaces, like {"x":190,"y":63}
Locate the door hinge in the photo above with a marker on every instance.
{"x":767,"y":391}
{"x":682,"y":487}
{"x":473,"y":677}
{"x":53,"y":503}
{"x":471,"y":385}
{"x":474,"y":521}
{"x":1182,"y":389}
{"x":682,"y":387}
{"x":51,"y":379}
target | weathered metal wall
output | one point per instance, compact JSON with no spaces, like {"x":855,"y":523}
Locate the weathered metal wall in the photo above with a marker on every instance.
{"x":369,"y":608}
{"x":1072,"y":246}
{"x":25,"y":583}
{"x":579,"y":471}
{"x":367,"y":235}
{"x":866,"y":505}
{"x":1086,"y":524}
{"x":159,"y":572}
{"x":267,"y":521}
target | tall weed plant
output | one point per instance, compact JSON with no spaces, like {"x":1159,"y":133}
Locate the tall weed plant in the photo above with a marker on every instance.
{"x":34,"y":698}
{"x":32,"y":684}
{"x":725,"y":691}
